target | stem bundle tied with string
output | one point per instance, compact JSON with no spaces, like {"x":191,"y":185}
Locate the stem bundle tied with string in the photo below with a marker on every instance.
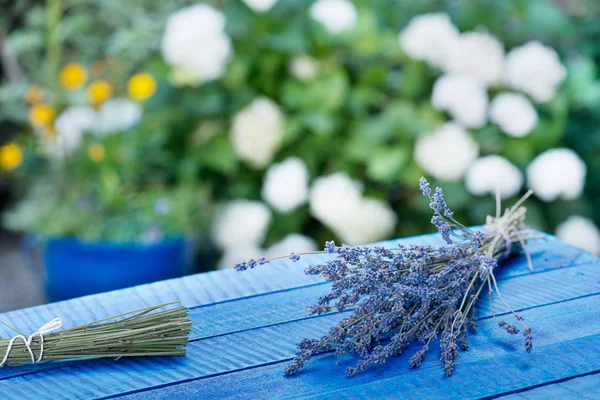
{"x":399,"y":296}
{"x":144,"y":332}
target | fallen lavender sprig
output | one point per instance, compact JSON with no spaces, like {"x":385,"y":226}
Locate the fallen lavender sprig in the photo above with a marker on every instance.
{"x":413,"y":293}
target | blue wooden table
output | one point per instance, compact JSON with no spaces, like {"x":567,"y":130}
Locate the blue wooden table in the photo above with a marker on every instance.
{"x":246,"y":326}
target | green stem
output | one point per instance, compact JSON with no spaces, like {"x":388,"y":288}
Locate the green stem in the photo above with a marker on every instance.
{"x":53,"y":47}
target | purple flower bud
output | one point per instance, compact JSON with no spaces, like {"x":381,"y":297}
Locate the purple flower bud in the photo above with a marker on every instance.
{"x":424,"y":186}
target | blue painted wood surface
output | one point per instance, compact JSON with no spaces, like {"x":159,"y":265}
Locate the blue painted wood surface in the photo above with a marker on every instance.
{"x":246,"y":326}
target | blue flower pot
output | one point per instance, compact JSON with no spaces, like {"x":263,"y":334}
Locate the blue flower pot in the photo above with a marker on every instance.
{"x":75,"y":268}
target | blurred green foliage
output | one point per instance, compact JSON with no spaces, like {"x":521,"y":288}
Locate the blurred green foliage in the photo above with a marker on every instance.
{"x":361,"y":114}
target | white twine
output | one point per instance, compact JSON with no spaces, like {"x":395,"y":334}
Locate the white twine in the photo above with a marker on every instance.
{"x":505,"y":237}
{"x":51,"y":326}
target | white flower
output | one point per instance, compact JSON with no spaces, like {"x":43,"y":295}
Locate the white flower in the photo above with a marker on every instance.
{"x":335,"y":15}
{"x":580,"y":232}
{"x":372,"y":220}
{"x":257,"y":131}
{"x":195,"y":42}
{"x":514,"y":114}
{"x":292,"y":243}
{"x":70,"y":126}
{"x":260,"y":5}
{"x":534,"y":69}
{"x":337,"y":202}
{"x":464,"y":98}
{"x":429,"y":37}
{"x":334,"y":198}
{"x":303,"y":68}
{"x":241,"y":222}
{"x":488,"y":173}
{"x":557,"y":173}
{"x":447,"y":153}
{"x":478,"y":55}
{"x":117,"y":115}
{"x":286,"y":185}
{"x":239,"y":253}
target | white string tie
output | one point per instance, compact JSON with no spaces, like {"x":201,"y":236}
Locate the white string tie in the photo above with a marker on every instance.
{"x":507,"y":242}
{"x":48,"y":327}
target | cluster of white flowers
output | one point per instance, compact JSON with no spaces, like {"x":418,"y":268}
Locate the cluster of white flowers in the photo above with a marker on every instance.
{"x":285,"y":186}
{"x":337,"y":201}
{"x":514,"y":114}
{"x":478,"y":55}
{"x":580,"y":232}
{"x":557,"y":173}
{"x":476,"y":60}
{"x":335,"y":15}
{"x":241,"y":223}
{"x":196,"y":44}
{"x":117,"y":115}
{"x":292,"y":243}
{"x":464,"y":98}
{"x":304,"y":68}
{"x":260,"y":5}
{"x":491,"y":173}
{"x":473,"y":62}
{"x":257,"y":131}
{"x":70,"y":127}
{"x":534,"y":69}
{"x":430,"y":38}
{"x":447,"y":153}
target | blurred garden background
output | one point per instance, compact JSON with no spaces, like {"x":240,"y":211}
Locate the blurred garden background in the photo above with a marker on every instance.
{"x":231,"y":129}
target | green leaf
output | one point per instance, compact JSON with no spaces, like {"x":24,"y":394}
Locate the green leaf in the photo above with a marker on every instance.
{"x":291,"y":39}
{"x":327,"y":92}
{"x":218,"y":155}
{"x":456,"y":194}
{"x":519,"y":150}
{"x":319,"y":122}
{"x":359,"y":148}
{"x":582,"y":85}
{"x":414,"y":80}
{"x":386,"y":164}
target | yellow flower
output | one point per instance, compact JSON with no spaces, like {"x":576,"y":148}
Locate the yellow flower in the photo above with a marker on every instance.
{"x":73,"y":76}
{"x":141,"y":86}
{"x":34,"y":95}
{"x":97,"y":152}
{"x":41,"y":115}
{"x":11,"y":156}
{"x":99,"y":91}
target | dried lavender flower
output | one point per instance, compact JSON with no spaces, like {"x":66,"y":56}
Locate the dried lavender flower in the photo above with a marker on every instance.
{"x":412,"y":293}
{"x":528,"y":339}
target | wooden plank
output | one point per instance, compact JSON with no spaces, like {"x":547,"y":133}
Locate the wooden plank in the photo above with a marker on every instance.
{"x":496,"y":365}
{"x":582,"y":387}
{"x":221,"y":355}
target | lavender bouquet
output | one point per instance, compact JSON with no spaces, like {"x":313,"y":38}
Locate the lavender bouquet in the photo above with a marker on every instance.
{"x":140,"y":333}
{"x":413,"y":293}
